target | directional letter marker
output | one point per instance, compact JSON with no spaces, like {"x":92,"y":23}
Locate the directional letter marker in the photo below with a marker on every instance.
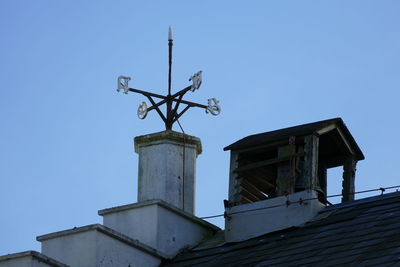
{"x":172,"y":114}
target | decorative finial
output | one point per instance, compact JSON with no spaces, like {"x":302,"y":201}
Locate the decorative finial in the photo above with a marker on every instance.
{"x":170,"y":34}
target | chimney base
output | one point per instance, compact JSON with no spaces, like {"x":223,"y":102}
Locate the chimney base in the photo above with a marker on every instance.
{"x":255,"y":219}
{"x":158,"y":225}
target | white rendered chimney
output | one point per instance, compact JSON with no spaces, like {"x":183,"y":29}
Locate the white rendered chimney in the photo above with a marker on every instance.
{"x":167,"y":168}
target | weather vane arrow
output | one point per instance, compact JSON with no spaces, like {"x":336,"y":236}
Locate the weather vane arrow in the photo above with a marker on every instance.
{"x":172,"y":101}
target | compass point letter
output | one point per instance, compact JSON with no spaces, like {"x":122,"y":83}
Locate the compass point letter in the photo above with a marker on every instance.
{"x":196,"y":79}
{"x":123,"y":83}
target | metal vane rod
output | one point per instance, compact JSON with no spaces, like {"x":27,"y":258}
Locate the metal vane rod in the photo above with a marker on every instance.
{"x":172,"y":114}
{"x":169,"y":121}
{"x":170,"y":44}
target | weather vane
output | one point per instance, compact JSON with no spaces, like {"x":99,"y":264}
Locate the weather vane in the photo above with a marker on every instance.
{"x":172,"y":114}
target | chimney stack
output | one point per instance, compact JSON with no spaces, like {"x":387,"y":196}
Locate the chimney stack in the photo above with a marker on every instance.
{"x":167,"y":167}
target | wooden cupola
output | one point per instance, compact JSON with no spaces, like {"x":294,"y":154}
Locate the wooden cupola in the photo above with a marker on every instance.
{"x":290,"y":160}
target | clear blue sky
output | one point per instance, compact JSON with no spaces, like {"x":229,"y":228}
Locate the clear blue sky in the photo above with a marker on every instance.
{"x":66,"y":139}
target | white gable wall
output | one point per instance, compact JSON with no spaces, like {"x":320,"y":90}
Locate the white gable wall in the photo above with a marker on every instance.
{"x":93,"y":248}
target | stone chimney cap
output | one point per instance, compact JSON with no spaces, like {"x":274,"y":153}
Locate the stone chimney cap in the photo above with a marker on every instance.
{"x":168,"y":135}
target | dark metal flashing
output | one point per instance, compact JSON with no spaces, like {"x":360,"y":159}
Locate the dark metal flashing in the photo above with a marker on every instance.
{"x":356,"y":233}
{"x":298,"y":131}
{"x":35,"y":255}
{"x":107,"y":231}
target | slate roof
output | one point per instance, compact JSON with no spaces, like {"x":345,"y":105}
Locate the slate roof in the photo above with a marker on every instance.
{"x":300,"y":130}
{"x":364,"y":232}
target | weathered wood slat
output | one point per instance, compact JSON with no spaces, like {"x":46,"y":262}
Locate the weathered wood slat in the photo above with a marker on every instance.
{"x":349,"y":175}
{"x":248,"y":195}
{"x":248,"y":186}
{"x":244,"y":200}
{"x":260,"y":181}
{"x":268,"y":175}
{"x":262,"y":185}
{"x":322,"y":177}
{"x":264,"y":163}
{"x":311,"y":161}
